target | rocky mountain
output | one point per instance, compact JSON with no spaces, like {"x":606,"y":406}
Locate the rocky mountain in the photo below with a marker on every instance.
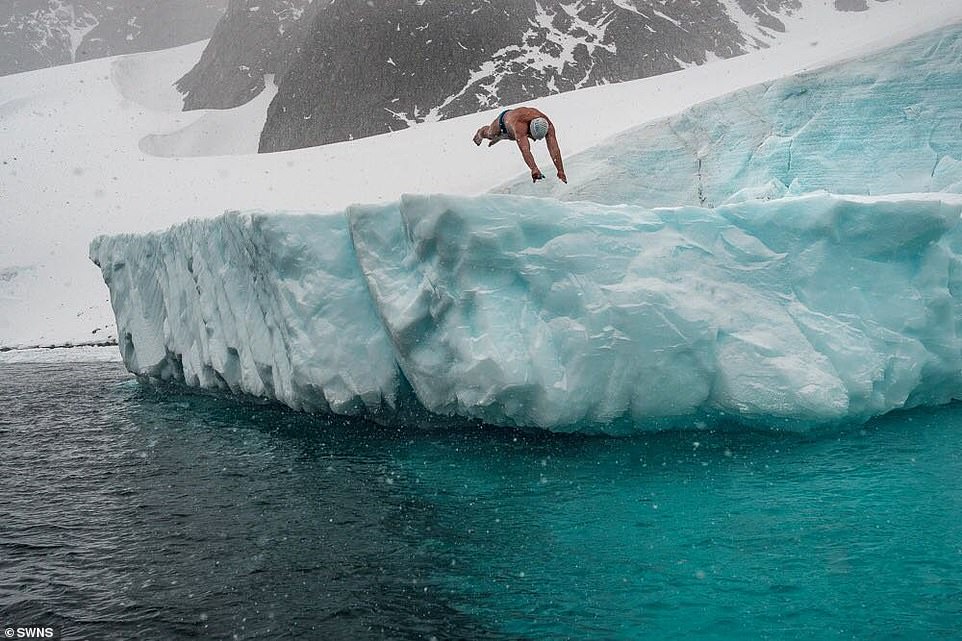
{"x":354,"y":68}
{"x":252,"y":39}
{"x":348,"y":69}
{"x":43,"y":33}
{"x":367,"y":68}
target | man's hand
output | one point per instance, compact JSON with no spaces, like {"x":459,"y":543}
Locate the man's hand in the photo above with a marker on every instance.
{"x":536,"y":175}
{"x":562,"y":177}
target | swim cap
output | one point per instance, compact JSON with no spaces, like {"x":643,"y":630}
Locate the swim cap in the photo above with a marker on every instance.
{"x":538,"y":128}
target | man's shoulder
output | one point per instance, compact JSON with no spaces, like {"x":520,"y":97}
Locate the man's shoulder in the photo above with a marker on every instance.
{"x":527,"y":114}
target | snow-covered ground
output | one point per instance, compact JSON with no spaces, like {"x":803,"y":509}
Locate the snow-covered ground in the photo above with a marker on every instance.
{"x":101,"y":147}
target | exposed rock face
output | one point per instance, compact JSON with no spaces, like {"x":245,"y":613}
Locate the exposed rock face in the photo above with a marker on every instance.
{"x":254,"y":38}
{"x":370,"y":70}
{"x":366,"y":70}
{"x":44,"y":33}
{"x":347,"y":69}
{"x":352,"y":69}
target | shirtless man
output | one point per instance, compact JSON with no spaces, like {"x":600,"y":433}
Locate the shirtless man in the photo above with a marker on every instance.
{"x":519,"y":125}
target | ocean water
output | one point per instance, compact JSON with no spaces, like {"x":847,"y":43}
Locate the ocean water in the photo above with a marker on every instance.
{"x":130,"y":512}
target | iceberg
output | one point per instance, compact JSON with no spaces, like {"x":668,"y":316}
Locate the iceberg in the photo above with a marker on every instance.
{"x":798,"y":311}
{"x":786,"y":256}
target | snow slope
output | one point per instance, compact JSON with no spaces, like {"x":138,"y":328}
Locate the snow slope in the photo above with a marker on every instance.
{"x":76,"y":162}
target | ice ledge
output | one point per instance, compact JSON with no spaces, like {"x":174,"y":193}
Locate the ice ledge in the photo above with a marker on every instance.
{"x":566,"y":316}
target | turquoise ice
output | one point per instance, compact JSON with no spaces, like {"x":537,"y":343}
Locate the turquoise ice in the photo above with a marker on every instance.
{"x":886,"y":124}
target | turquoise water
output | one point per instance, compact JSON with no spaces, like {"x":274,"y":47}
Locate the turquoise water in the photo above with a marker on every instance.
{"x":707,"y":536}
{"x":130,"y":512}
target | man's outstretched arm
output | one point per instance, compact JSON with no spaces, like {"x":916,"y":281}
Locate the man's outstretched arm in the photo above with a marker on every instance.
{"x":525,"y":148}
{"x":555,"y":152}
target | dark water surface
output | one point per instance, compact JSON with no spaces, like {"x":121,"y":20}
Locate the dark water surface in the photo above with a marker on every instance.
{"x":128,"y":512}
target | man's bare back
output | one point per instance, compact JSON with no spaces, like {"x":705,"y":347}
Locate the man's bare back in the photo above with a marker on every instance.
{"x":519,"y":125}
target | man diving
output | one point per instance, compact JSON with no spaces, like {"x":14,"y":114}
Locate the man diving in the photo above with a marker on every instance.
{"x":519,"y":125}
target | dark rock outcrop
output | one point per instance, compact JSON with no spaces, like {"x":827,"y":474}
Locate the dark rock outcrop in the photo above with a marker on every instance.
{"x":352,"y":69}
{"x":253,"y":38}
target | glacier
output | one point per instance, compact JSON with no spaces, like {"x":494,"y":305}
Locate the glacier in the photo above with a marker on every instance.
{"x":787,"y":256}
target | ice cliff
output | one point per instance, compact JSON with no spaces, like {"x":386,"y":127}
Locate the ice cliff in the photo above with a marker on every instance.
{"x":535,"y":312}
{"x":787,"y":305}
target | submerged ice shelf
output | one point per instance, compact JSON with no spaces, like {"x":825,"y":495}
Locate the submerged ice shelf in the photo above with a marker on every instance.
{"x":697,"y":267}
{"x":565,"y":316}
